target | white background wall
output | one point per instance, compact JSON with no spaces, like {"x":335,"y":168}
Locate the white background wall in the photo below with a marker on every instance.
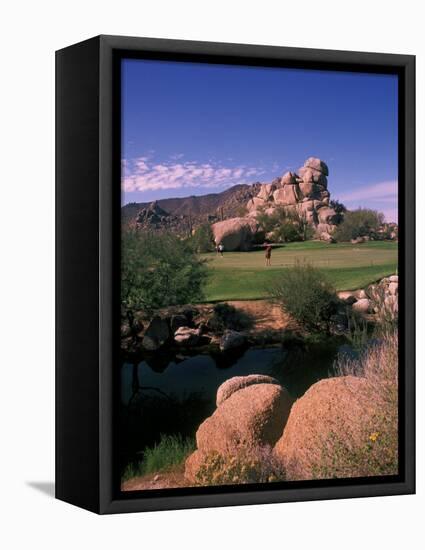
{"x":30,"y":32}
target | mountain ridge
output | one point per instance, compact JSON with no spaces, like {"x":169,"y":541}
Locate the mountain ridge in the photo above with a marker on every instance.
{"x":227,"y":203}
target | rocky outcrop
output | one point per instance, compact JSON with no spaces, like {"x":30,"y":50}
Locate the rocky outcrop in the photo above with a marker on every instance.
{"x":287,"y":195}
{"x":236,"y":233}
{"x":177,"y":321}
{"x":304,"y":192}
{"x":255,"y":203}
{"x":231,"y":340}
{"x":183,"y":213}
{"x":186,"y":336}
{"x":152,"y":215}
{"x":383,"y":297}
{"x":332,"y":408}
{"x":379,"y":298}
{"x":266,"y":191}
{"x":325,"y":236}
{"x":362,"y":305}
{"x":156,"y":334}
{"x":252,"y":416}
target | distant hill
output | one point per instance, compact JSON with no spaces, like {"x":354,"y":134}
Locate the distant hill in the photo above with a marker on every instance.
{"x":228,"y":203}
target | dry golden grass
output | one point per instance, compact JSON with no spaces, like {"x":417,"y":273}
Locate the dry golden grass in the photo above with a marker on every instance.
{"x":254,"y":464}
{"x":347,"y":426}
{"x":375,"y":449}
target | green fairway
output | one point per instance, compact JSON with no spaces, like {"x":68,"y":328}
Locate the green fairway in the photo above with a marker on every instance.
{"x":243,"y":275}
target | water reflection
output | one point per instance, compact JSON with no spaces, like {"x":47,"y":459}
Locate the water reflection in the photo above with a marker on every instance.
{"x":174,"y":395}
{"x":296,"y":369}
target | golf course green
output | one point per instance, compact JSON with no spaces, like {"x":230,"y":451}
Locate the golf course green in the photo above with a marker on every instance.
{"x":244,"y":276}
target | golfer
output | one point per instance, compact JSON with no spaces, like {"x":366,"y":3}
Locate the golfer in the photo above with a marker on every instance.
{"x":268,"y":254}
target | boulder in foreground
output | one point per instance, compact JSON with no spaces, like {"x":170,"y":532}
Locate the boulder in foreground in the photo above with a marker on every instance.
{"x":332,"y":414}
{"x":251,"y":417}
{"x":238,"y":382}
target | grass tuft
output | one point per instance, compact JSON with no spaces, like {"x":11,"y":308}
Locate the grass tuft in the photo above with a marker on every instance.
{"x":170,"y":452}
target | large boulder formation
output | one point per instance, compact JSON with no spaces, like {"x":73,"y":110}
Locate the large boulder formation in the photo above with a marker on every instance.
{"x":266,"y":191}
{"x":236,"y":233}
{"x":317,"y":165}
{"x":305,"y":192}
{"x":255,"y":203}
{"x":287,"y":195}
{"x":250,"y":416}
{"x":331,"y":409}
{"x":327,"y":215}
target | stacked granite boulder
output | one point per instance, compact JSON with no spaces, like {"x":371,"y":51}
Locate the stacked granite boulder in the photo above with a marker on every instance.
{"x":305,"y":192}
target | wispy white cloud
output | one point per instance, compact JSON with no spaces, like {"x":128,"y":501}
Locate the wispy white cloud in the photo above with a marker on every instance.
{"x":383,"y":191}
{"x":382,"y":196}
{"x":142,"y":174}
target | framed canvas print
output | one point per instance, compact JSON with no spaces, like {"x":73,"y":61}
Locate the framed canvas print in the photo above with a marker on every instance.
{"x":235,"y":274}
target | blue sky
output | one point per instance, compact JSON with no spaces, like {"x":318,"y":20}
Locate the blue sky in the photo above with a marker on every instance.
{"x":192,"y":129}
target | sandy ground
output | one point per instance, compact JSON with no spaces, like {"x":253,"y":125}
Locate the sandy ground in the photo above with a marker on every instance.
{"x":163,"y":480}
{"x":265,"y":316}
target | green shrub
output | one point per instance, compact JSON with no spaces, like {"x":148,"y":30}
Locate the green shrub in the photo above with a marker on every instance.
{"x":358,"y":223}
{"x":285,"y":225}
{"x":256,"y":465}
{"x":203,"y":239}
{"x":305,"y":293}
{"x":158,"y":270}
{"x":171,"y":451}
{"x":287,"y":232}
{"x":268,"y":222}
{"x":225,"y":316}
{"x":340,"y":210}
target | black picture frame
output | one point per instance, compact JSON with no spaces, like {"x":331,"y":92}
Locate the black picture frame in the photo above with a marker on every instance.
{"x":87,"y":270}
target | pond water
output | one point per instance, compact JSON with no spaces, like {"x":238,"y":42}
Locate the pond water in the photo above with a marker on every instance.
{"x":176,"y":396}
